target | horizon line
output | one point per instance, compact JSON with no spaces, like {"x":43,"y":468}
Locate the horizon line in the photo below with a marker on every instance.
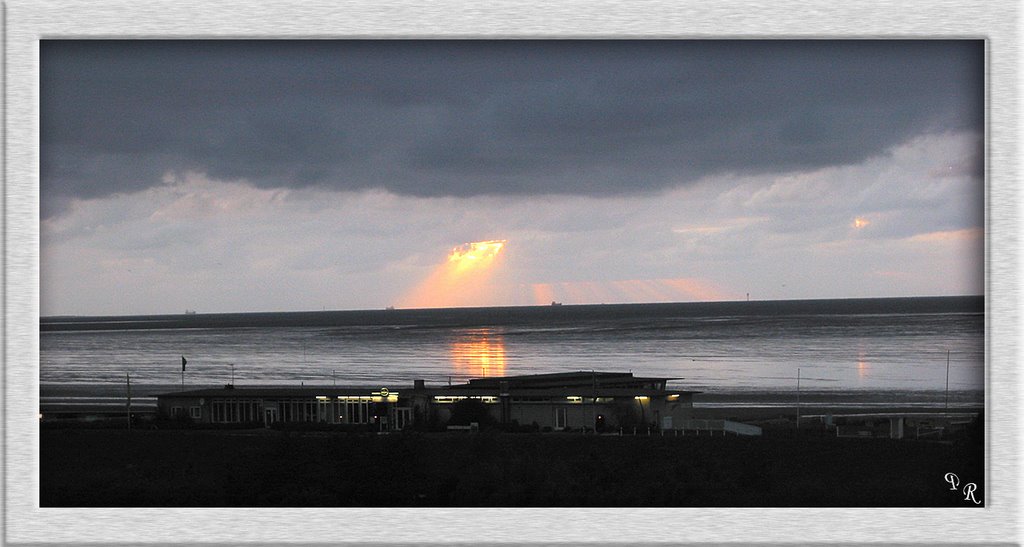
{"x":189,"y":312}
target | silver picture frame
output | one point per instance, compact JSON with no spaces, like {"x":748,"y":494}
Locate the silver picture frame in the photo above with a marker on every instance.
{"x":26,"y":22}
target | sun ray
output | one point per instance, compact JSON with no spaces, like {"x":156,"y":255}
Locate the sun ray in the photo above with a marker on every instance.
{"x":462,"y":280}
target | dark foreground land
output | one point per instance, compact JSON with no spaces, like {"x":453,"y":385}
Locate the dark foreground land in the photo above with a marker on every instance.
{"x":85,"y":467}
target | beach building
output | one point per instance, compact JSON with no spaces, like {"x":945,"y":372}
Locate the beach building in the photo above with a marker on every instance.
{"x":601,"y":401}
{"x":898,"y":425}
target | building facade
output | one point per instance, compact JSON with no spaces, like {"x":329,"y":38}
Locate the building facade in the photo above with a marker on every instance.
{"x":578,"y":400}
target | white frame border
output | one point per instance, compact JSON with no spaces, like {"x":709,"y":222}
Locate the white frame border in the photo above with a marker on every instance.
{"x":26,"y":22}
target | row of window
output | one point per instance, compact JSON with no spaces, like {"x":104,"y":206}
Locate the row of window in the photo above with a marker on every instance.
{"x":194,"y":412}
{"x":352,"y":411}
{"x":297,"y":411}
{"x":445,"y":399}
{"x":525,"y":399}
{"x":236,"y":411}
{"x":358,"y":412}
{"x":568,"y":400}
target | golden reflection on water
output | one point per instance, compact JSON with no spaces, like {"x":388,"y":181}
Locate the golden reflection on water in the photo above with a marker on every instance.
{"x":479,"y":352}
{"x":863,"y":366}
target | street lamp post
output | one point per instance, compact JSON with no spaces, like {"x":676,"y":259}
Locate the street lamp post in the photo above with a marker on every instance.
{"x":798,"y":398}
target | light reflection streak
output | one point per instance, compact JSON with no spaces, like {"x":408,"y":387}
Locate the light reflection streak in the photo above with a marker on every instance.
{"x":479,"y":352}
{"x":863,"y":366}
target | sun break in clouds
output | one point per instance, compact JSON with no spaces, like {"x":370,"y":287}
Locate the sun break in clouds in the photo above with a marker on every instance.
{"x":464,"y":279}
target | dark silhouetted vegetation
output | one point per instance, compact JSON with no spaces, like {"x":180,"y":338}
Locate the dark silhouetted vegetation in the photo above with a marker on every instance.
{"x":468,"y":411}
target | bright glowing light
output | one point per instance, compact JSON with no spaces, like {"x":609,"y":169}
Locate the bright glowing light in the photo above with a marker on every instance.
{"x":476,"y":253}
{"x":462,"y":280}
{"x":860,"y":222}
{"x":445,"y":399}
{"x":863,"y":366}
{"x":481,"y":352}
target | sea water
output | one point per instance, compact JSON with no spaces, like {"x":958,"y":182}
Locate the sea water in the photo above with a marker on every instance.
{"x":891,"y":344}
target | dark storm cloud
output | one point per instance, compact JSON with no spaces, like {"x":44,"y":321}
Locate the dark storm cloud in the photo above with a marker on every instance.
{"x":469,"y":118}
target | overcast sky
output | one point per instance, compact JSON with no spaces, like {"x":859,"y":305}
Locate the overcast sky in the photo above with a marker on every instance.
{"x":264,"y":176}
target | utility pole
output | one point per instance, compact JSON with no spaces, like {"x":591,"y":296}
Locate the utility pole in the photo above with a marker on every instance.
{"x":232,"y":375}
{"x":593,"y":400}
{"x":947,"y":382}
